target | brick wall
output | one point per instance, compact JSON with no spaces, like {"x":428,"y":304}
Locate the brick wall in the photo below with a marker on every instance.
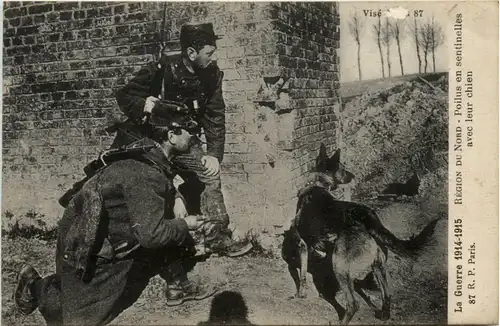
{"x":61,"y":64}
{"x":59,"y":92}
{"x":308,"y":36}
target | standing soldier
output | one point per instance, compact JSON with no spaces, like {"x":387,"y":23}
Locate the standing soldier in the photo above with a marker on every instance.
{"x":117,"y":232}
{"x":195,"y":82}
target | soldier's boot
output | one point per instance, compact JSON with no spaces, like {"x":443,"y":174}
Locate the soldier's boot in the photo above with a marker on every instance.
{"x":225,"y":245}
{"x":319,"y":247}
{"x":179,"y":292}
{"x":220,"y":240}
{"x":24,"y":298}
{"x":318,"y":250}
{"x":179,"y":288}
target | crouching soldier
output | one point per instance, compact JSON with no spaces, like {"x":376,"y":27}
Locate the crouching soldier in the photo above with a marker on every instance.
{"x":195,"y":82}
{"x":117,"y":232}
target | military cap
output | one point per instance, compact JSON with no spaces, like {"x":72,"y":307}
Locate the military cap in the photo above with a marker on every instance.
{"x":172,"y":115}
{"x":198,"y":34}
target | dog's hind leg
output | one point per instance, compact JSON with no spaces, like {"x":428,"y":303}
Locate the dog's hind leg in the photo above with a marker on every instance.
{"x":327,"y":286}
{"x":381,"y":277}
{"x":330,"y":298}
{"x":304,"y":256}
{"x":347,"y":286}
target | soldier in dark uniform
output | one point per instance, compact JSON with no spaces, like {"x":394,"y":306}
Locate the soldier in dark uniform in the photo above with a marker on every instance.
{"x":196,"y":82}
{"x":117,"y":232}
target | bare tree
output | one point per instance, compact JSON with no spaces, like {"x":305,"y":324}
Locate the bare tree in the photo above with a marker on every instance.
{"x":437,"y":39}
{"x":377,"y":32}
{"x":398,"y":28}
{"x":387,"y":37}
{"x":355,"y":29}
{"x":425,"y":41}
{"x":414,"y":29}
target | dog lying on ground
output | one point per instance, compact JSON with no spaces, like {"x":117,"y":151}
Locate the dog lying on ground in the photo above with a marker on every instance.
{"x":409,"y":188}
{"x":342,"y":244}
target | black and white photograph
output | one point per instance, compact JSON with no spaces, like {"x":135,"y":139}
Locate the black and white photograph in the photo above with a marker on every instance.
{"x":232,"y":163}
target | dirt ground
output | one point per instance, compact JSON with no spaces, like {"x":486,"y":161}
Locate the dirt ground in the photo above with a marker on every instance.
{"x":419,"y":288}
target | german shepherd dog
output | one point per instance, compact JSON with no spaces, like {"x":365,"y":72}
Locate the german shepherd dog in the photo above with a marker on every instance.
{"x":353,"y":238}
{"x":409,"y":188}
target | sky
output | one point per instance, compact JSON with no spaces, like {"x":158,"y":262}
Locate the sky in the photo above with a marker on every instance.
{"x":370,"y":57}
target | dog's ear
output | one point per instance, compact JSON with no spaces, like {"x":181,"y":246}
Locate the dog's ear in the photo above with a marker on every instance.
{"x":334,"y":162}
{"x":414,"y":179}
{"x":322,"y":159}
{"x":322,"y":150}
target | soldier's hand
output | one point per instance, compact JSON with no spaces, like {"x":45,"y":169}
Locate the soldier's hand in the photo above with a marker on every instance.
{"x":193,"y":222}
{"x":180,"y":210}
{"x":211,"y":164}
{"x":150,"y":104}
{"x":201,"y":250}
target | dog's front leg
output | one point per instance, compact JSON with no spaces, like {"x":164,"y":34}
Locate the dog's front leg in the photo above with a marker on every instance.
{"x":304,"y":255}
{"x":296,"y":280}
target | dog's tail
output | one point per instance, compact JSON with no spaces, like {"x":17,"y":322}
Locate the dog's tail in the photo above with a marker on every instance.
{"x":405,"y":248}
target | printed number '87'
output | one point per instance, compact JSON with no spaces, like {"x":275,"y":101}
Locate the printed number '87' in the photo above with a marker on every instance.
{"x":417,"y":13}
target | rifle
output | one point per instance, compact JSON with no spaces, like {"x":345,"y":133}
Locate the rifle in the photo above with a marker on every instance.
{"x":163,"y":44}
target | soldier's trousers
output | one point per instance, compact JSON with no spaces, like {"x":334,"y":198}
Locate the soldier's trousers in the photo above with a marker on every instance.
{"x":203,"y":193}
{"x":64,"y":299}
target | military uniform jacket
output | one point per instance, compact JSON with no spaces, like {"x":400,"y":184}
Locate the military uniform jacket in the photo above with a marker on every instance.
{"x":179,"y":84}
{"x":126,"y":205}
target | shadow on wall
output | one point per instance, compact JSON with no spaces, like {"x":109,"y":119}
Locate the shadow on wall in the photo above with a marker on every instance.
{"x":228,"y":308}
